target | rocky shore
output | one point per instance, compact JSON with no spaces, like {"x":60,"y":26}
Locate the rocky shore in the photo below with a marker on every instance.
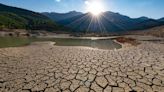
{"x":43,"y":67}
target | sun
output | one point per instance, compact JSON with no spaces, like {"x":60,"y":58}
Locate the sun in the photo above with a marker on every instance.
{"x":95,"y":7}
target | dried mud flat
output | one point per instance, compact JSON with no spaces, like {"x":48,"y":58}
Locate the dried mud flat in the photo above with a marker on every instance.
{"x":42,"y":67}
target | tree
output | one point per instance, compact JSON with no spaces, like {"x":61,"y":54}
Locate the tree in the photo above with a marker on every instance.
{"x":2,"y":27}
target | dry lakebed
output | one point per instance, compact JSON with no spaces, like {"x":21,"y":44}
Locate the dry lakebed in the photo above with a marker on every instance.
{"x":43,"y":67}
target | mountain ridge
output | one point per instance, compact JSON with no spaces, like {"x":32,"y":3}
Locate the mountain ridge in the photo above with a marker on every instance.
{"x":61,"y":16}
{"x":109,"y":22}
{"x":161,"y":19}
{"x":113,"y":22}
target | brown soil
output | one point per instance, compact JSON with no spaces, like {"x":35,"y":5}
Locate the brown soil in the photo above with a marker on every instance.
{"x":131,"y":41}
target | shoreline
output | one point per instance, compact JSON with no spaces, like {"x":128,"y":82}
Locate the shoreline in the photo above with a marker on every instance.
{"x":124,"y":44}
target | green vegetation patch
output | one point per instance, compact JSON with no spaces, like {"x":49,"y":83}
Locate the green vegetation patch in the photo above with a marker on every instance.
{"x":13,"y":42}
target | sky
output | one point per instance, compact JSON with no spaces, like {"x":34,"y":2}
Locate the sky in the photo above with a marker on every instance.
{"x":131,"y":8}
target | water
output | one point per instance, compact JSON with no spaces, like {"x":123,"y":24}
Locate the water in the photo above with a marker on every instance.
{"x":93,"y":43}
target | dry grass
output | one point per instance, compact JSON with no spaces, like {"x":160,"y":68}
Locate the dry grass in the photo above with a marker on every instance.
{"x":131,"y":41}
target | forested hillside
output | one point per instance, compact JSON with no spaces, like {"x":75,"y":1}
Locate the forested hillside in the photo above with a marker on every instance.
{"x":16,"y":18}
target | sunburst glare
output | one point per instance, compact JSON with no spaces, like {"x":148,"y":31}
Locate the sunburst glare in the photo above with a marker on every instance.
{"x":95,"y":7}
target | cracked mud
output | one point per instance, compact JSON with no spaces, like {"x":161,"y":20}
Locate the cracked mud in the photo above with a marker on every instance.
{"x":46,"y":68}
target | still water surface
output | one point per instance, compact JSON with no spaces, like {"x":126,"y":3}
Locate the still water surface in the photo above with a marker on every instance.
{"x":93,"y":43}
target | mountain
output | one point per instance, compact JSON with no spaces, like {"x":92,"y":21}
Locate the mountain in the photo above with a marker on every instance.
{"x":108,"y":22}
{"x":155,"y":31}
{"x":143,"y":18}
{"x":61,"y":16}
{"x":161,"y":19}
{"x":17,"y":18}
{"x":89,"y":23}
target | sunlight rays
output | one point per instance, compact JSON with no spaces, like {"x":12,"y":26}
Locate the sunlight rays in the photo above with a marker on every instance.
{"x":92,"y":20}
{"x":77,"y":20}
{"x":94,"y":24}
{"x":114,"y":23}
{"x":95,"y":7}
{"x":101,"y":25}
{"x":89,"y":25}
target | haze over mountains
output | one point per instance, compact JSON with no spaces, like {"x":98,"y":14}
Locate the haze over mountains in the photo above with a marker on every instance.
{"x":12,"y":17}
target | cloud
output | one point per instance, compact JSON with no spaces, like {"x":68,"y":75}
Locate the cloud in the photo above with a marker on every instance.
{"x":58,"y":0}
{"x":86,"y":2}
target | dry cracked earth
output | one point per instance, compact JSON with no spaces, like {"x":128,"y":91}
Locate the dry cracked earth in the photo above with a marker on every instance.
{"x":45,"y":68}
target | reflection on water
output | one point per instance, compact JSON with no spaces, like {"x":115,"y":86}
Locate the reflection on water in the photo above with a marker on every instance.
{"x":94,"y":43}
